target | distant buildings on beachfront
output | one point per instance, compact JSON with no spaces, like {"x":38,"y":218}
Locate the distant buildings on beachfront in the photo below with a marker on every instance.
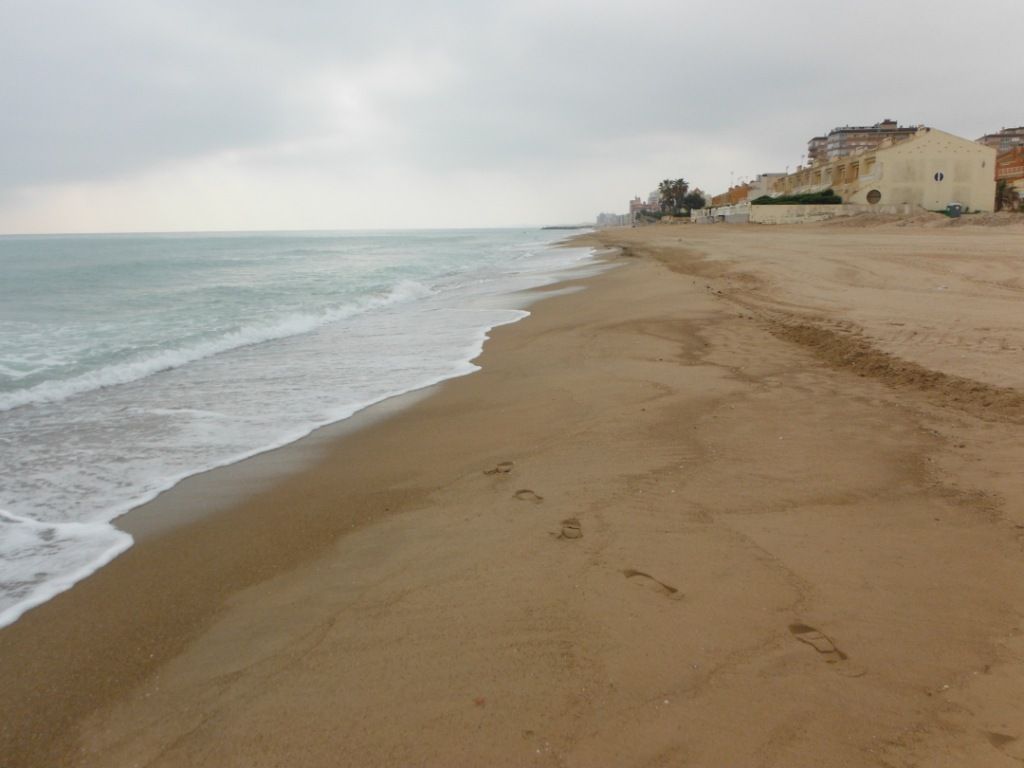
{"x":613,"y":219}
{"x":763,"y":184}
{"x":639,"y":207}
{"x":888,"y":167}
{"x":1006,"y":140}
{"x":930,"y":168}
{"x":885,"y":167}
{"x":651,"y":205}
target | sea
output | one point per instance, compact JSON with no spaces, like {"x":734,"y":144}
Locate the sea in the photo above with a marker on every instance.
{"x":130,"y":362}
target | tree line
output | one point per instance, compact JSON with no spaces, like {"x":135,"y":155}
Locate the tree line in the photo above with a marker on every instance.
{"x":676,"y":199}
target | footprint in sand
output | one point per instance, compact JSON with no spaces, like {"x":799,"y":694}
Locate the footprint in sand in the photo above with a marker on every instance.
{"x":999,"y":740}
{"x":525,"y":494}
{"x":825,"y":646}
{"x":502,"y":468}
{"x":571,"y":529}
{"x":666,"y":589}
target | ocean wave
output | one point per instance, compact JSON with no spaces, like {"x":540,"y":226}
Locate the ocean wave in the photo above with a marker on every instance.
{"x":9,"y":372}
{"x":125,"y":373}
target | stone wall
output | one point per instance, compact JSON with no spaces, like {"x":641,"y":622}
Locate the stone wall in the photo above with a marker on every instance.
{"x":801,"y":214}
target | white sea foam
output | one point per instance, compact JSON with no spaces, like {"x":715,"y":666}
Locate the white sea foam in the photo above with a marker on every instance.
{"x":40,"y":560}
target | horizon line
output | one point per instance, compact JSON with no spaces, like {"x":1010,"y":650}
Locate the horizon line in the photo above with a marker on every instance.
{"x":276,"y":231}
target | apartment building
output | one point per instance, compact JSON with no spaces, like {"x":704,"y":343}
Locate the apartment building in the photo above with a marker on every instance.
{"x":638,"y":205}
{"x":817,"y":149}
{"x":612,"y":220}
{"x":1010,"y":165}
{"x":851,"y":139}
{"x":1004,"y":140}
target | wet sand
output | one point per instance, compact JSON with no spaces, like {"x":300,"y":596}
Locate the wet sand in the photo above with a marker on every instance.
{"x":751,"y":498}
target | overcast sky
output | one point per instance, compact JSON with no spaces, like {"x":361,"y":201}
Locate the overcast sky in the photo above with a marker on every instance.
{"x":142,"y":115}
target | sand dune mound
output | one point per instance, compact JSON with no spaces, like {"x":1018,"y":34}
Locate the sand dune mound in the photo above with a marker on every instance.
{"x":855,"y":353}
{"x":925,"y":219}
{"x":1000,"y":219}
{"x":864,"y":220}
{"x":928,"y":219}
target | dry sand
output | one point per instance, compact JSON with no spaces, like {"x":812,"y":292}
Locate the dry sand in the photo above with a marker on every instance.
{"x":753,"y":498}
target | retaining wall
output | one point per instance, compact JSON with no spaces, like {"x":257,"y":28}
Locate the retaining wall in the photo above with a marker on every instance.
{"x":801,"y":214}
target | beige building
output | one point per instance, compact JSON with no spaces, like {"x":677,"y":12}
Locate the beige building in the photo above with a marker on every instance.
{"x":930,"y":169}
{"x":763,"y":184}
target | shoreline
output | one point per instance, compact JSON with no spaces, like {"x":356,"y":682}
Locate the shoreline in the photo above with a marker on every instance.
{"x":212,"y":491}
{"x":115,"y":514}
{"x":185,"y":511}
{"x":651,"y":530}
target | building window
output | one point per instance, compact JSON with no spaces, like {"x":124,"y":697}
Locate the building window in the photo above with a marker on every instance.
{"x":874,"y":196}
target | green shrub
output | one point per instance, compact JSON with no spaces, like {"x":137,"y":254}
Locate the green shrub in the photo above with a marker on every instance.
{"x":824,"y":197}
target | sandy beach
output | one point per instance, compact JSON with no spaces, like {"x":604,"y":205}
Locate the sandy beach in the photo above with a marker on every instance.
{"x":750,"y":498}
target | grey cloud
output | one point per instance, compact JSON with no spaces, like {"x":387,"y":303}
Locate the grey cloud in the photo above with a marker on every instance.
{"x":92,"y":91}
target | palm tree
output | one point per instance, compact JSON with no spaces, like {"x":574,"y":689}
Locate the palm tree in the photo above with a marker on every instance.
{"x":672,"y":193}
{"x":665,"y":195}
{"x":679,"y":189}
